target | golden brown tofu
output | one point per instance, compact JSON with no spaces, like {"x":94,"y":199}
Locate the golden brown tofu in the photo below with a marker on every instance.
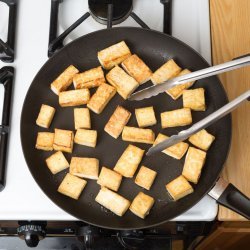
{"x":141,"y":205}
{"x":89,"y":79}
{"x":110,"y":179}
{"x":86,"y":137}
{"x":57,"y":162}
{"x":129,"y":161}
{"x":140,"y":135}
{"x":194,"y":99}
{"x":124,"y":83}
{"x":45,"y":116}
{"x":74,"y":97}
{"x":63,"y":140}
{"x":84,"y":167}
{"x":117,"y":121}
{"x":101,"y":98}
{"x":113,"y":55}
{"x":64,"y":80}
{"x":45,"y":141}
{"x":82,"y":118}
{"x":177,"y":91}
{"x":145,"y":117}
{"x":136,"y":68}
{"x":202,"y":139}
{"x":193,"y":165}
{"x":145,"y":177}
{"x":179,"y":187}
{"x":72,"y":186}
{"x":176,"y":118}
{"x":176,"y":151}
{"x":112,"y":201}
{"x":168,"y":70}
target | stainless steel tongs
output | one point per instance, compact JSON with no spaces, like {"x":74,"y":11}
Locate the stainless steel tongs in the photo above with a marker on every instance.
{"x":200,"y":74}
{"x":215,"y":116}
{"x":236,"y":63}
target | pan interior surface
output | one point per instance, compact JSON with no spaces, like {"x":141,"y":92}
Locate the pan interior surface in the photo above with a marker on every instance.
{"x":155,"y":49}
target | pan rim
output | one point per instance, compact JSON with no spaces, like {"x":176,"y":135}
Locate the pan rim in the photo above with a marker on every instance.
{"x":50,"y":196}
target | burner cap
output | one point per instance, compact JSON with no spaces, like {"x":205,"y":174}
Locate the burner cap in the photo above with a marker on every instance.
{"x":121,"y":10}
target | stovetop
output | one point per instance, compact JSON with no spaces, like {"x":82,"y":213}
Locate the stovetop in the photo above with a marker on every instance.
{"x":22,"y":199}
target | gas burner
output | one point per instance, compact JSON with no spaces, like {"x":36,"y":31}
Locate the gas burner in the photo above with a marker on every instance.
{"x":119,"y":9}
{"x":7,"y":48}
{"x":103,"y":11}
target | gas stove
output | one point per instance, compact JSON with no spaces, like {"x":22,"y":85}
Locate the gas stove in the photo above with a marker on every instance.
{"x":43,"y":27}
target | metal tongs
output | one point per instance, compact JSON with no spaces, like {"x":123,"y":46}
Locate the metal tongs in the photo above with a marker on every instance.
{"x":200,"y":74}
{"x":215,"y":116}
{"x":236,"y":63}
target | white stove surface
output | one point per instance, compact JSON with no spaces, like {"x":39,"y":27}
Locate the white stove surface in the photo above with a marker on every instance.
{"x":22,"y":199}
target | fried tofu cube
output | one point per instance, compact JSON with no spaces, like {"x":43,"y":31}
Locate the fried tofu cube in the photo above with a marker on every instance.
{"x":82,"y":118}
{"x":101,"y":98}
{"x":141,"y":205}
{"x":63,"y":140}
{"x":124,"y":83}
{"x":57,"y":162}
{"x":176,"y":118}
{"x":89,"y":79}
{"x":74,"y":97}
{"x":177,"y":91}
{"x":140,"y":135}
{"x":193,"y":165}
{"x":110,"y":179}
{"x":45,"y":141}
{"x":145,"y":117}
{"x":168,"y":70}
{"x":86,"y":137}
{"x":136,"y":68}
{"x":117,"y":121}
{"x":45,"y":116}
{"x":112,"y":201}
{"x":84,"y":167}
{"x":145,"y":177}
{"x":63,"y":81}
{"x":179,"y":187}
{"x":113,"y":55}
{"x":129,"y":161}
{"x":202,"y":139}
{"x":72,"y":186}
{"x":194,"y":99}
{"x":176,"y":151}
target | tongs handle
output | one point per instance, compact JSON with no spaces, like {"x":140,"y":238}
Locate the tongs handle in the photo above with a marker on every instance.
{"x":215,"y":70}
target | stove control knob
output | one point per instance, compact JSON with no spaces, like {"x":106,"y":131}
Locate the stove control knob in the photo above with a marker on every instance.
{"x":31,"y":233}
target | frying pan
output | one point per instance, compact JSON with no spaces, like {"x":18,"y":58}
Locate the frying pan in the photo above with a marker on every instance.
{"x":154,"y":48}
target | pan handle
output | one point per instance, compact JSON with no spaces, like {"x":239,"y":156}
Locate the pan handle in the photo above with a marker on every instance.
{"x":229,"y":196}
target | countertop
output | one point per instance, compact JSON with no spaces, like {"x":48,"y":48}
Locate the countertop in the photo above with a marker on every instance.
{"x":230,"y":29}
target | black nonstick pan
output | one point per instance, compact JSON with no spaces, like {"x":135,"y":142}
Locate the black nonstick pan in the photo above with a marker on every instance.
{"x":154,"y":48}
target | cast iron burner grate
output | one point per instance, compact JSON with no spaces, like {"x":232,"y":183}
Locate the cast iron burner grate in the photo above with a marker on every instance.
{"x":7,"y":48}
{"x":6,"y":78}
{"x":107,"y":12}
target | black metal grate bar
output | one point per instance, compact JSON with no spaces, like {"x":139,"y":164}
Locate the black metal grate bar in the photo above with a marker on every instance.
{"x":6,"y":78}
{"x":56,"y":43}
{"x":53,"y":20}
{"x":167,"y":16}
{"x":7,"y":48}
{"x":110,"y":15}
{"x":139,"y":21}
